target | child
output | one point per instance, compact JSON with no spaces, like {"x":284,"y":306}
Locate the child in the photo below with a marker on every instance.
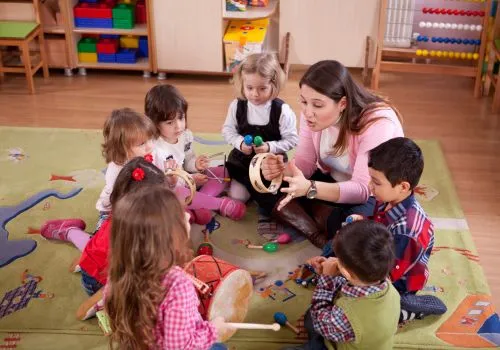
{"x":167,"y":108}
{"x":150,"y":301}
{"x":127,"y":134}
{"x":94,"y":259}
{"x":354,"y":306}
{"x":257,"y":112}
{"x":395,"y":167}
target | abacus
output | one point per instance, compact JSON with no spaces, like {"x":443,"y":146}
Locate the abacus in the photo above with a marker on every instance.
{"x":433,"y":37}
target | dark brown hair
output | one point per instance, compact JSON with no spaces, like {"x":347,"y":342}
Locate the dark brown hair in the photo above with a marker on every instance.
{"x":148,"y":237}
{"x":123,"y":129}
{"x":332,"y":79}
{"x":399,"y":159}
{"x":165,"y":102}
{"x":365,"y":248}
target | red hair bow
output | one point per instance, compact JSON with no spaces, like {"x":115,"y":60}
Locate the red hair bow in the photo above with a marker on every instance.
{"x":148,"y":158}
{"x":138,"y":174}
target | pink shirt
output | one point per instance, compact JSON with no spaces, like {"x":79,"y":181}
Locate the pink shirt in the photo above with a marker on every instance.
{"x":356,"y":189}
{"x":180,"y":325}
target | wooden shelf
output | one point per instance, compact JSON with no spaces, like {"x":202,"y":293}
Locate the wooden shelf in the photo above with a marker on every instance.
{"x":251,"y":12}
{"x":56,"y":29}
{"x":139,"y":29}
{"x":142,"y":64}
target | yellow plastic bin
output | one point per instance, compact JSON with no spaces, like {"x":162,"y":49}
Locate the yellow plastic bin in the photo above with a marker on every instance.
{"x":129,"y":42}
{"x":87,"y":57}
{"x":242,"y":38}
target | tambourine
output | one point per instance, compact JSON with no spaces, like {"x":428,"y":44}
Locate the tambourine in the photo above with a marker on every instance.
{"x":188,"y":179}
{"x":255,"y":178}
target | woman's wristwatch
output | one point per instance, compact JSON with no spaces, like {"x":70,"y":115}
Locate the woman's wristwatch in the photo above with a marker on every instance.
{"x":312,"y":191}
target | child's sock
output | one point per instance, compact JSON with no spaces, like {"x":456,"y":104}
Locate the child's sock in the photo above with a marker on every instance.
{"x":213,"y":187}
{"x":58,"y":229}
{"x":78,"y":237}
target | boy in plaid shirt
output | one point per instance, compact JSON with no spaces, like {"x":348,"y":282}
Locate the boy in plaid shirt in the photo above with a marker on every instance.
{"x":395,"y":167}
{"x":354,"y":305}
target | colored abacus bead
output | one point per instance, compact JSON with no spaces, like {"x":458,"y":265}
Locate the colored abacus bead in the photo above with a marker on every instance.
{"x":419,"y":52}
{"x":469,"y":56}
{"x":439,"y":53}
{"x":434,"y":39}
{"x":425,"y":10}
{"x":454,"y":26}
{"x":449,"y":12}
{"x":475,"y":56}
{"x":466,"y":27}
{"x":421,"y":24}
{"x":466,"y":41}
{"x":459,"y":41}
{"x":453,"y":40}
{"x":443,"y":11}
{"x":463,"y":55}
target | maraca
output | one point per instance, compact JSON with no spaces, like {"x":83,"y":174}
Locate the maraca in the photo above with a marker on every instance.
{"x":258,"y":141}
{"x":283,"y":238}
{"x":280,"y":318}
{"x":248,"y":140}
{"x":205,"y":249}
{"x":269,"y":247}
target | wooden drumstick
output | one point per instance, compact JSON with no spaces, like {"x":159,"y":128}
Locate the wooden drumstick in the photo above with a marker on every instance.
{"x":275,"y":326}
{"x":200,"y":285}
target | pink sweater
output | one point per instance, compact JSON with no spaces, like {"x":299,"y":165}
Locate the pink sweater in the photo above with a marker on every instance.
{"x":355,"y":190}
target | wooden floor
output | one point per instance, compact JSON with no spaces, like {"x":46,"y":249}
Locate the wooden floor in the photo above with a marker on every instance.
{"x":434,"y":108}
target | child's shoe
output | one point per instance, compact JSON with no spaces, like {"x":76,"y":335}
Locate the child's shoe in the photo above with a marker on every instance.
{"x":232,"y":208}
{"x":58,"y":229}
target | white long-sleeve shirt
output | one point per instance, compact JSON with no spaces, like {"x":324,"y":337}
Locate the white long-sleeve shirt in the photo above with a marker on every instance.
{"x":259,"y":115}
{"x":112,"y":171}
{"x":182,"y":152}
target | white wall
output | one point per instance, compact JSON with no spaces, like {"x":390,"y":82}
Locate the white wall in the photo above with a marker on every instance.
{"x":329,"y":29}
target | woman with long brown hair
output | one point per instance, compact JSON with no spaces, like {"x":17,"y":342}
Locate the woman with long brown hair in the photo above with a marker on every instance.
{"x":340,"y":122}
{"x":151,"y":302}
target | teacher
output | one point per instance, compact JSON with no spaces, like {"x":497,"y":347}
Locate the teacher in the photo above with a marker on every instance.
{"x":340,"y":122}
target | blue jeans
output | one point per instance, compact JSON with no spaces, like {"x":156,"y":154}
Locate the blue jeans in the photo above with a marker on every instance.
{"x":218,"y":346}
{"x":103,"y":216}
{"x":90,"y":284}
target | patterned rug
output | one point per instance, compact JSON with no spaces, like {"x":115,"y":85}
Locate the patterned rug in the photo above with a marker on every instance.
{"x":54,"y":173}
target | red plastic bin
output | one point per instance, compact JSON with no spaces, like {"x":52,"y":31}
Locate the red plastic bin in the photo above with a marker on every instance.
{"x":107,"y":45}
{"x":87,"y":10}
{"x":140,"y":12}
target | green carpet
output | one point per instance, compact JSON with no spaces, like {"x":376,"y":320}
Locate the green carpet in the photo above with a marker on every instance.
{"x":40,"y":166}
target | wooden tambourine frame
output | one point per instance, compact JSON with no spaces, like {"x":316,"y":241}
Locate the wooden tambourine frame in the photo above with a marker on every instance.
{"x":256,"y":179}
{"x":188,"y":179}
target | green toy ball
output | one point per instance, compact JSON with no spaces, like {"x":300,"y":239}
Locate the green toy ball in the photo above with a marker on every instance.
{"x":271,"y":247}
{"x":257,"y":141}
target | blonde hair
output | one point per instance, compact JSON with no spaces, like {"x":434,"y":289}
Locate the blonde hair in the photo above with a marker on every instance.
{"x":124,"y":128}
{"x":264,"y":64}
{"x":148,"y":237}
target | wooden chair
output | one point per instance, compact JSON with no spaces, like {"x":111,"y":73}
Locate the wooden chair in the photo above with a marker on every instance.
{"x":20,"y":34}
{"x":491,"y":78}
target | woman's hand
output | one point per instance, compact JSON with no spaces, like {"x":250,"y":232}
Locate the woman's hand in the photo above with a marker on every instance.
{"x":200,"y":179}
{"x":298,"y":185}
{"x":273,"y":166}
{"x":201,"y":163}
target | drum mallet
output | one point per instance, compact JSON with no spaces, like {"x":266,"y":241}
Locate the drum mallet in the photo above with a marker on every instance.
{"x":280,"y":317}
{"x":275,"y":326}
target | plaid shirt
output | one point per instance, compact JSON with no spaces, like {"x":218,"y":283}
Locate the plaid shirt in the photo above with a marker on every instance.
{"x":329,"y":320}
{"x":180,"y":325}
{"x":413,"y":237}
